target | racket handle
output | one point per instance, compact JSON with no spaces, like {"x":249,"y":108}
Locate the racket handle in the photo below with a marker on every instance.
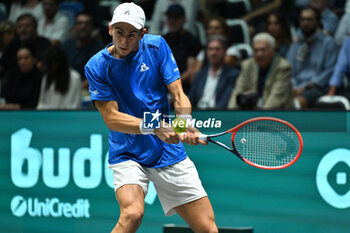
{"x":203,"y":137}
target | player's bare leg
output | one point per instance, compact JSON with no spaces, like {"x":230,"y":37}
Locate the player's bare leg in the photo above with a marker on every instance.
{"x":199,"y":215}
{"x":131,"y":202}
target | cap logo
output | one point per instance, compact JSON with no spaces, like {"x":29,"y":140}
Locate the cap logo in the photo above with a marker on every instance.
{"x":130,"y":13}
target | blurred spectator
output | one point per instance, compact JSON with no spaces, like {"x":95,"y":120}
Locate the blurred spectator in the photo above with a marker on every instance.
{"x":26,"y":30}
{"x":147,"y":6}
{"x":3,"y":12}
{"x":22,"y":87}
{"x":216,"y":25}
{"x":213,"y":83}
{"x":277,"y":26}
{"x":329,"y":19}
{"x":20,"y":7}
{"x":301,"y":3}
{"x":337,"y":6}
{"x":343,"y":29}
{"x":7,"y":34}
{"x":83,"y":46}
{"x":61,"y":85}
{"x":312,"y":58}
{"x":292,"y":12}
{"x":54,"y":26}
{"x":267,"y":75}
{"x":260,"y":9}
{"x":109,"y":6}
{"x":341,"y":70}
{"x":183,"y":44}
{"x":158,"y":21}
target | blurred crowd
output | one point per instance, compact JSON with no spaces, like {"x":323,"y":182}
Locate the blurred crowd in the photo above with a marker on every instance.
{"x":232,"y":54}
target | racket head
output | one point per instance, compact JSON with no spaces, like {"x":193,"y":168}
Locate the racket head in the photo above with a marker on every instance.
{"x":267,"y":142}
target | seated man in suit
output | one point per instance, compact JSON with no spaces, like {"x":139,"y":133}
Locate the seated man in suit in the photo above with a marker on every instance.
{"x":267,"y":74}
{"x":213,"y":83}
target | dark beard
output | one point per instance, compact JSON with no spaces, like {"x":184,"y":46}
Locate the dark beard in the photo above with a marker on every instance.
{"x":309,"y":33}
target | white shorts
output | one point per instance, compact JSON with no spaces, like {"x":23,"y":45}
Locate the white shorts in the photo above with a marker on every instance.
{"x":176,"y":184}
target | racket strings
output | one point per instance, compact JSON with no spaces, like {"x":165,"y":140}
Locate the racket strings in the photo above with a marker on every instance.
{"x":267,"y":143}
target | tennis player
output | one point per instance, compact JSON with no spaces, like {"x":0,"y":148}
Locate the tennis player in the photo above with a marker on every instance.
{"x":131,"y":77}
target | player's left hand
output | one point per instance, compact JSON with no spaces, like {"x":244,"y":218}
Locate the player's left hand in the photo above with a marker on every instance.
{"x":191,"y":137}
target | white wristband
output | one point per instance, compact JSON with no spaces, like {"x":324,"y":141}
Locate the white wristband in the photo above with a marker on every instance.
{"x":145,"y":131}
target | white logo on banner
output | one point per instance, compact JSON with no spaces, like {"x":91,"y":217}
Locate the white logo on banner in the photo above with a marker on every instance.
{"x":58,"y":176}
{"x":51,"y":207}
{"x":18,"y":206}
{"x":327,"y":192}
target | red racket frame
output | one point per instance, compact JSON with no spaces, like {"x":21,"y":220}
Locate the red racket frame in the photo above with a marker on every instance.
{"x":236,"y":128}
{"x":234,"y":150}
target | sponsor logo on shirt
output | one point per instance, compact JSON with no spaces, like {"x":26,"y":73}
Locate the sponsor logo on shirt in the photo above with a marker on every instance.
{"x":144,"y":67}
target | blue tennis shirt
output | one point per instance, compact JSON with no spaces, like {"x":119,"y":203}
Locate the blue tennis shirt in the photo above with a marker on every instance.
{"x":138,"y":83}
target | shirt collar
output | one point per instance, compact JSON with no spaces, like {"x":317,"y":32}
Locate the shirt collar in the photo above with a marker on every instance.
{"x":218,"y":72}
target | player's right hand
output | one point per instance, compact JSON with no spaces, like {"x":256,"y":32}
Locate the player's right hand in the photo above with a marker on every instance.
{"x":191,"y":137}
{"x":167,"y":134}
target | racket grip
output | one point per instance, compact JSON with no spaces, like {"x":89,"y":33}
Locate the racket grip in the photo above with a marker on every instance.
{"x":203,"y":137}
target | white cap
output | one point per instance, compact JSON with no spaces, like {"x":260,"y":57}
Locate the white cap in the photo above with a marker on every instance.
{"x":129,"y":13}
{"x":234,"y":52}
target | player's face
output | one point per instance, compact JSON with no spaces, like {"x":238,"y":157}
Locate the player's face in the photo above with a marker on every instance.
{"x":125,"y":38}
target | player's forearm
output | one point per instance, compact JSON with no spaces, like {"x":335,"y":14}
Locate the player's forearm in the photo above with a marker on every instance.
{"x":118,"y":121}
{"x":123,"y":123}
{"x":182,"y":105}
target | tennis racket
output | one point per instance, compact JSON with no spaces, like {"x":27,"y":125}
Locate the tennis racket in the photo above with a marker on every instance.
{"x":263,"y":142}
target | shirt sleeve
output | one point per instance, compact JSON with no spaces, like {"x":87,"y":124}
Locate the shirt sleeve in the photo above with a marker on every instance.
{"x":341,"y":66}
{"x":98,"y":87}
{"x":330,"y":22}
{"x":330,"y":52}
{"x":168,"y":67}
{"x":343,"y":30}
